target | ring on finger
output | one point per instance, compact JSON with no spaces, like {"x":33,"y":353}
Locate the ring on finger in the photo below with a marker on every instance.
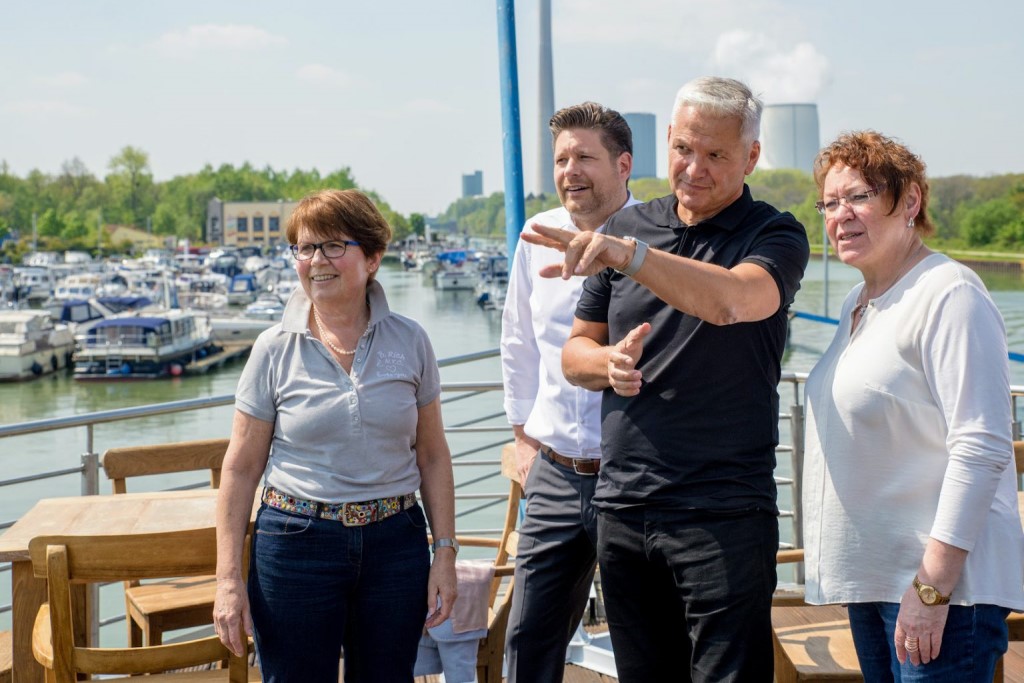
{"x":911,"y":644}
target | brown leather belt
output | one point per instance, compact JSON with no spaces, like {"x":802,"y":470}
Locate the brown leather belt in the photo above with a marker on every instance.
{"x":585,"y":466}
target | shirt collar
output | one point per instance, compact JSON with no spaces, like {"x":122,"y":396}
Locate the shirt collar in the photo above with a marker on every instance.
{"x":296,"y":311}
{"x":730,"y":218}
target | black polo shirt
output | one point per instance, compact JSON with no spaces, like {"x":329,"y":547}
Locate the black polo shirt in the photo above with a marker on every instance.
{"x":702,"y":432}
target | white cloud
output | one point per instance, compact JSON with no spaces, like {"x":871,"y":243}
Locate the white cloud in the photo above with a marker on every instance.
{"x":320,"y":74}
{"x":44,"y":108}
{"x":779,"y":75}
{"x":216,"y":37}
{"x":66,"y":79}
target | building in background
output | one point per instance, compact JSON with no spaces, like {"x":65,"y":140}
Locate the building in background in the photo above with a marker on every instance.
{"x":645,"y":163}
{"x":242,"y":224}
{"x":472,"y":184}
{"x":789,"y":136}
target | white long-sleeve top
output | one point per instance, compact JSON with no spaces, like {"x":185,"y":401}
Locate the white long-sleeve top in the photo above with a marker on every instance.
{"x":535,"y":324}
{"x":909,"y":436}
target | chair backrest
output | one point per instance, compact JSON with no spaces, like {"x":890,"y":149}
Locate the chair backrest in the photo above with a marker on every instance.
{"x":182,"y":456}
{"x":64,"y":560}
{"x":1018,"y":456}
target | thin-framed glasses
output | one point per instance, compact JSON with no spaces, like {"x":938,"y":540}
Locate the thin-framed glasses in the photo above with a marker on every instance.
{"x":851,"y":200}
{"x":332,"y":249}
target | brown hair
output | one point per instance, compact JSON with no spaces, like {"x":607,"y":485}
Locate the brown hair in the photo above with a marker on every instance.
{"x":616,"y":135}
{"x":881,"y":160}
{"x":329,"y":213}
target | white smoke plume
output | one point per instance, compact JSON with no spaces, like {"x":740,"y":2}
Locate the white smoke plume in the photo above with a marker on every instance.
{"x":795,"y":74}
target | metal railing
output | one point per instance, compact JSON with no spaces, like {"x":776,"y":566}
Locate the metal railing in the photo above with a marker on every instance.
{"x":488,"y":431}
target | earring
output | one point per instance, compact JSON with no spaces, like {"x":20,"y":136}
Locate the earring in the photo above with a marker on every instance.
{"x":910,"y":224}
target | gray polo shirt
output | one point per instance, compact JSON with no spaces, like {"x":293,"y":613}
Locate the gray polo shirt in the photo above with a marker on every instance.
{"x":341,"y":437}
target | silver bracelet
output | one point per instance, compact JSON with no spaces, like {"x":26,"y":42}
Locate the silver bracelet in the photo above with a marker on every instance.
{"x":639,"y":254}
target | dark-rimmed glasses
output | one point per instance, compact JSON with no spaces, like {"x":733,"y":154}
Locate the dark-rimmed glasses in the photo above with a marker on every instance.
{"x":851,"y":200}
{"x":332,"y":249}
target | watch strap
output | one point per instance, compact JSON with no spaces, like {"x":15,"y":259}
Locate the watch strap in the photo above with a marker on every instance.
{"x":639,"y":254}
{"x":445,"y":543}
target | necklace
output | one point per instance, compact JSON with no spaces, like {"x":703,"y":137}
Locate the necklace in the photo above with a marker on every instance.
{"x":323,"y":336}
{"x":862,"y":298}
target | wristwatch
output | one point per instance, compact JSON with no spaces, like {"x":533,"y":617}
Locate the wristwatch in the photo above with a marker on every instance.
{"x":445,"y":543}
{"x":639,"y":254}
{"x":929,"y":594}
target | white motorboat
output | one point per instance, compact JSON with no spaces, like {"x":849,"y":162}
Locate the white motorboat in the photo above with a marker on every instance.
{"x":32,"y":345}
{"x":144,"y":344}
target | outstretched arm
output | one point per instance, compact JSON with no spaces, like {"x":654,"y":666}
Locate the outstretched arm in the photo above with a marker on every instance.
{"x":721,"y":296}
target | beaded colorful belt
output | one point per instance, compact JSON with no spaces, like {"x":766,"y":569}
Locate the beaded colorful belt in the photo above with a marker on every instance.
{"x":349,"y":514}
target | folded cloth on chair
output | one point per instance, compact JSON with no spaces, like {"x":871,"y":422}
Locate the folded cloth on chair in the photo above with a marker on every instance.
{"x":473,"y":578}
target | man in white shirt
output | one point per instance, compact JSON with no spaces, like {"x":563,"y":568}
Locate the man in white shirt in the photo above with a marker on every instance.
{"x":557,"y":426}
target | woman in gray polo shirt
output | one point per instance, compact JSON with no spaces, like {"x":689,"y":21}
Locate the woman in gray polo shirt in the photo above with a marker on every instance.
{"x":338,"y":409}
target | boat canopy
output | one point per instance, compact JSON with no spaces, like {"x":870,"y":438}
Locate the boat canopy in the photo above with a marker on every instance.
{"x":144,"y":323}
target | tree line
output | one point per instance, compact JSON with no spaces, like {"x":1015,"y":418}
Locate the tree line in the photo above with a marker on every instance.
{"x":969,"y":212}
{"x":71,"y":206}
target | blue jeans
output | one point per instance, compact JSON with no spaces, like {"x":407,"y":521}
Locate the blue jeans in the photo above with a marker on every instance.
{"x":689,"y":594}
{"x":316,"y":585}
{"x":972,"y":642}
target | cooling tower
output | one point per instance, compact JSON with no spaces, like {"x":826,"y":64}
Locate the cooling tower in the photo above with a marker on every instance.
{"x":789,"y":136}
{"x":644,"y":144}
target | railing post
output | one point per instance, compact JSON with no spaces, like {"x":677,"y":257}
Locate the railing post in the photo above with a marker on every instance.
{"x":796,"y":427}
{"x":91,"y":487}
{"x":90,"y":474}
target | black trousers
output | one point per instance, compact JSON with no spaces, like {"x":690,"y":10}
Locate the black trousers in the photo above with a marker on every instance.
{"x":554,"y":571}
{"x":688,"y":594}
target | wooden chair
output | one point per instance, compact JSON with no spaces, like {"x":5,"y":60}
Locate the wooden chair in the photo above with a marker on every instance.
{"x":67,"y":560}
{"x":811,"y":642}
{"x":155,"y":607}
{"x":6,"y":656}
{"x":491,"y":652}
{"x":1011,"y":666}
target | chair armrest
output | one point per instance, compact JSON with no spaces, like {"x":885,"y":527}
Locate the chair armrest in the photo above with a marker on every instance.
{"x":42,"y":637}
{"x":789,"y":556}
{"x":478,"y":541}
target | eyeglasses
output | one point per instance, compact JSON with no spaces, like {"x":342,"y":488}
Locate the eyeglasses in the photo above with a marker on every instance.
{"x":333,"y":249}
{"x":851,"y":200}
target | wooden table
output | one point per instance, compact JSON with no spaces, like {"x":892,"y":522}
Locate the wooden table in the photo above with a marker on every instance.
{"x":123,"y":514}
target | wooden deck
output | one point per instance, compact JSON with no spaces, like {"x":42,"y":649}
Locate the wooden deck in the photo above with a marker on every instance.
{"x":229,"y":351}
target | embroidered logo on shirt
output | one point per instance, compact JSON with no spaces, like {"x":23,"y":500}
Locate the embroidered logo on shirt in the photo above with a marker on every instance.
{"x":391,"y":364}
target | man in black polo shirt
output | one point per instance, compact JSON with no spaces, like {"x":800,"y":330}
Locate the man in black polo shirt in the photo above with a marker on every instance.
{"x":683,"y":325}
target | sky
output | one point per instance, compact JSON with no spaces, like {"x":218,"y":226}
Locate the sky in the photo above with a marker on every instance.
{"x":406,"y":93}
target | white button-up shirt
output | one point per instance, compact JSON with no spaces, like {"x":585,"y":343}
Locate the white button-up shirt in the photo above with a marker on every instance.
{"x":535,"y":325}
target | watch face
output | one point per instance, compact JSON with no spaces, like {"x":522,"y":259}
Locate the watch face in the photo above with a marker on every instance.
{"x":928,"y":595}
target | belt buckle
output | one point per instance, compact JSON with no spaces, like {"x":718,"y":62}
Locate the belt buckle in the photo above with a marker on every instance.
{"x":359,"y":514}
{"x":576,"y":468}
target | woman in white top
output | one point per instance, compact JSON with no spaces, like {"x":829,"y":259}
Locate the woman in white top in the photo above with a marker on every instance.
{"x":909,"y":492}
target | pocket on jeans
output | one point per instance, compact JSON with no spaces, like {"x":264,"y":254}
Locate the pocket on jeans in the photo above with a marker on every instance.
{"x":415,"y":516}
{"x":273,"y":522}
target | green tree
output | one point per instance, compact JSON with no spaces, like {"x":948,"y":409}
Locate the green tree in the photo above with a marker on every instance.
{"x":131,"y":186}
{"x":984,"y":222}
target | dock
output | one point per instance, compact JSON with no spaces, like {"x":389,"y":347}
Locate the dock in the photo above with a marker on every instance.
{"x":229,"y":352}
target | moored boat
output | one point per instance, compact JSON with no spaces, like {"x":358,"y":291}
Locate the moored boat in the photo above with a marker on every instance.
{"x":143,"y":346}
{"x":32,"y":345}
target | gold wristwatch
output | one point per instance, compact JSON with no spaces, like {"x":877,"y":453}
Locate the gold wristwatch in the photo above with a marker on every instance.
{"x":929,"y":594}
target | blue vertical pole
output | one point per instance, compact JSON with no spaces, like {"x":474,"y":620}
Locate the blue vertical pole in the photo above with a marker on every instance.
{"x":515,"y":214}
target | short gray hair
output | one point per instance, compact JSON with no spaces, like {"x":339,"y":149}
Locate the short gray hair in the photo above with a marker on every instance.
{"x":723,"y":97}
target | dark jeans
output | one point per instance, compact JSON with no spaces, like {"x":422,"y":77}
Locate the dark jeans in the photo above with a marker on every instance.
{"x":316,"y":585}
{"x":689,"y":594}
{"x":554,"y":571}
{"x":972,"y":642}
